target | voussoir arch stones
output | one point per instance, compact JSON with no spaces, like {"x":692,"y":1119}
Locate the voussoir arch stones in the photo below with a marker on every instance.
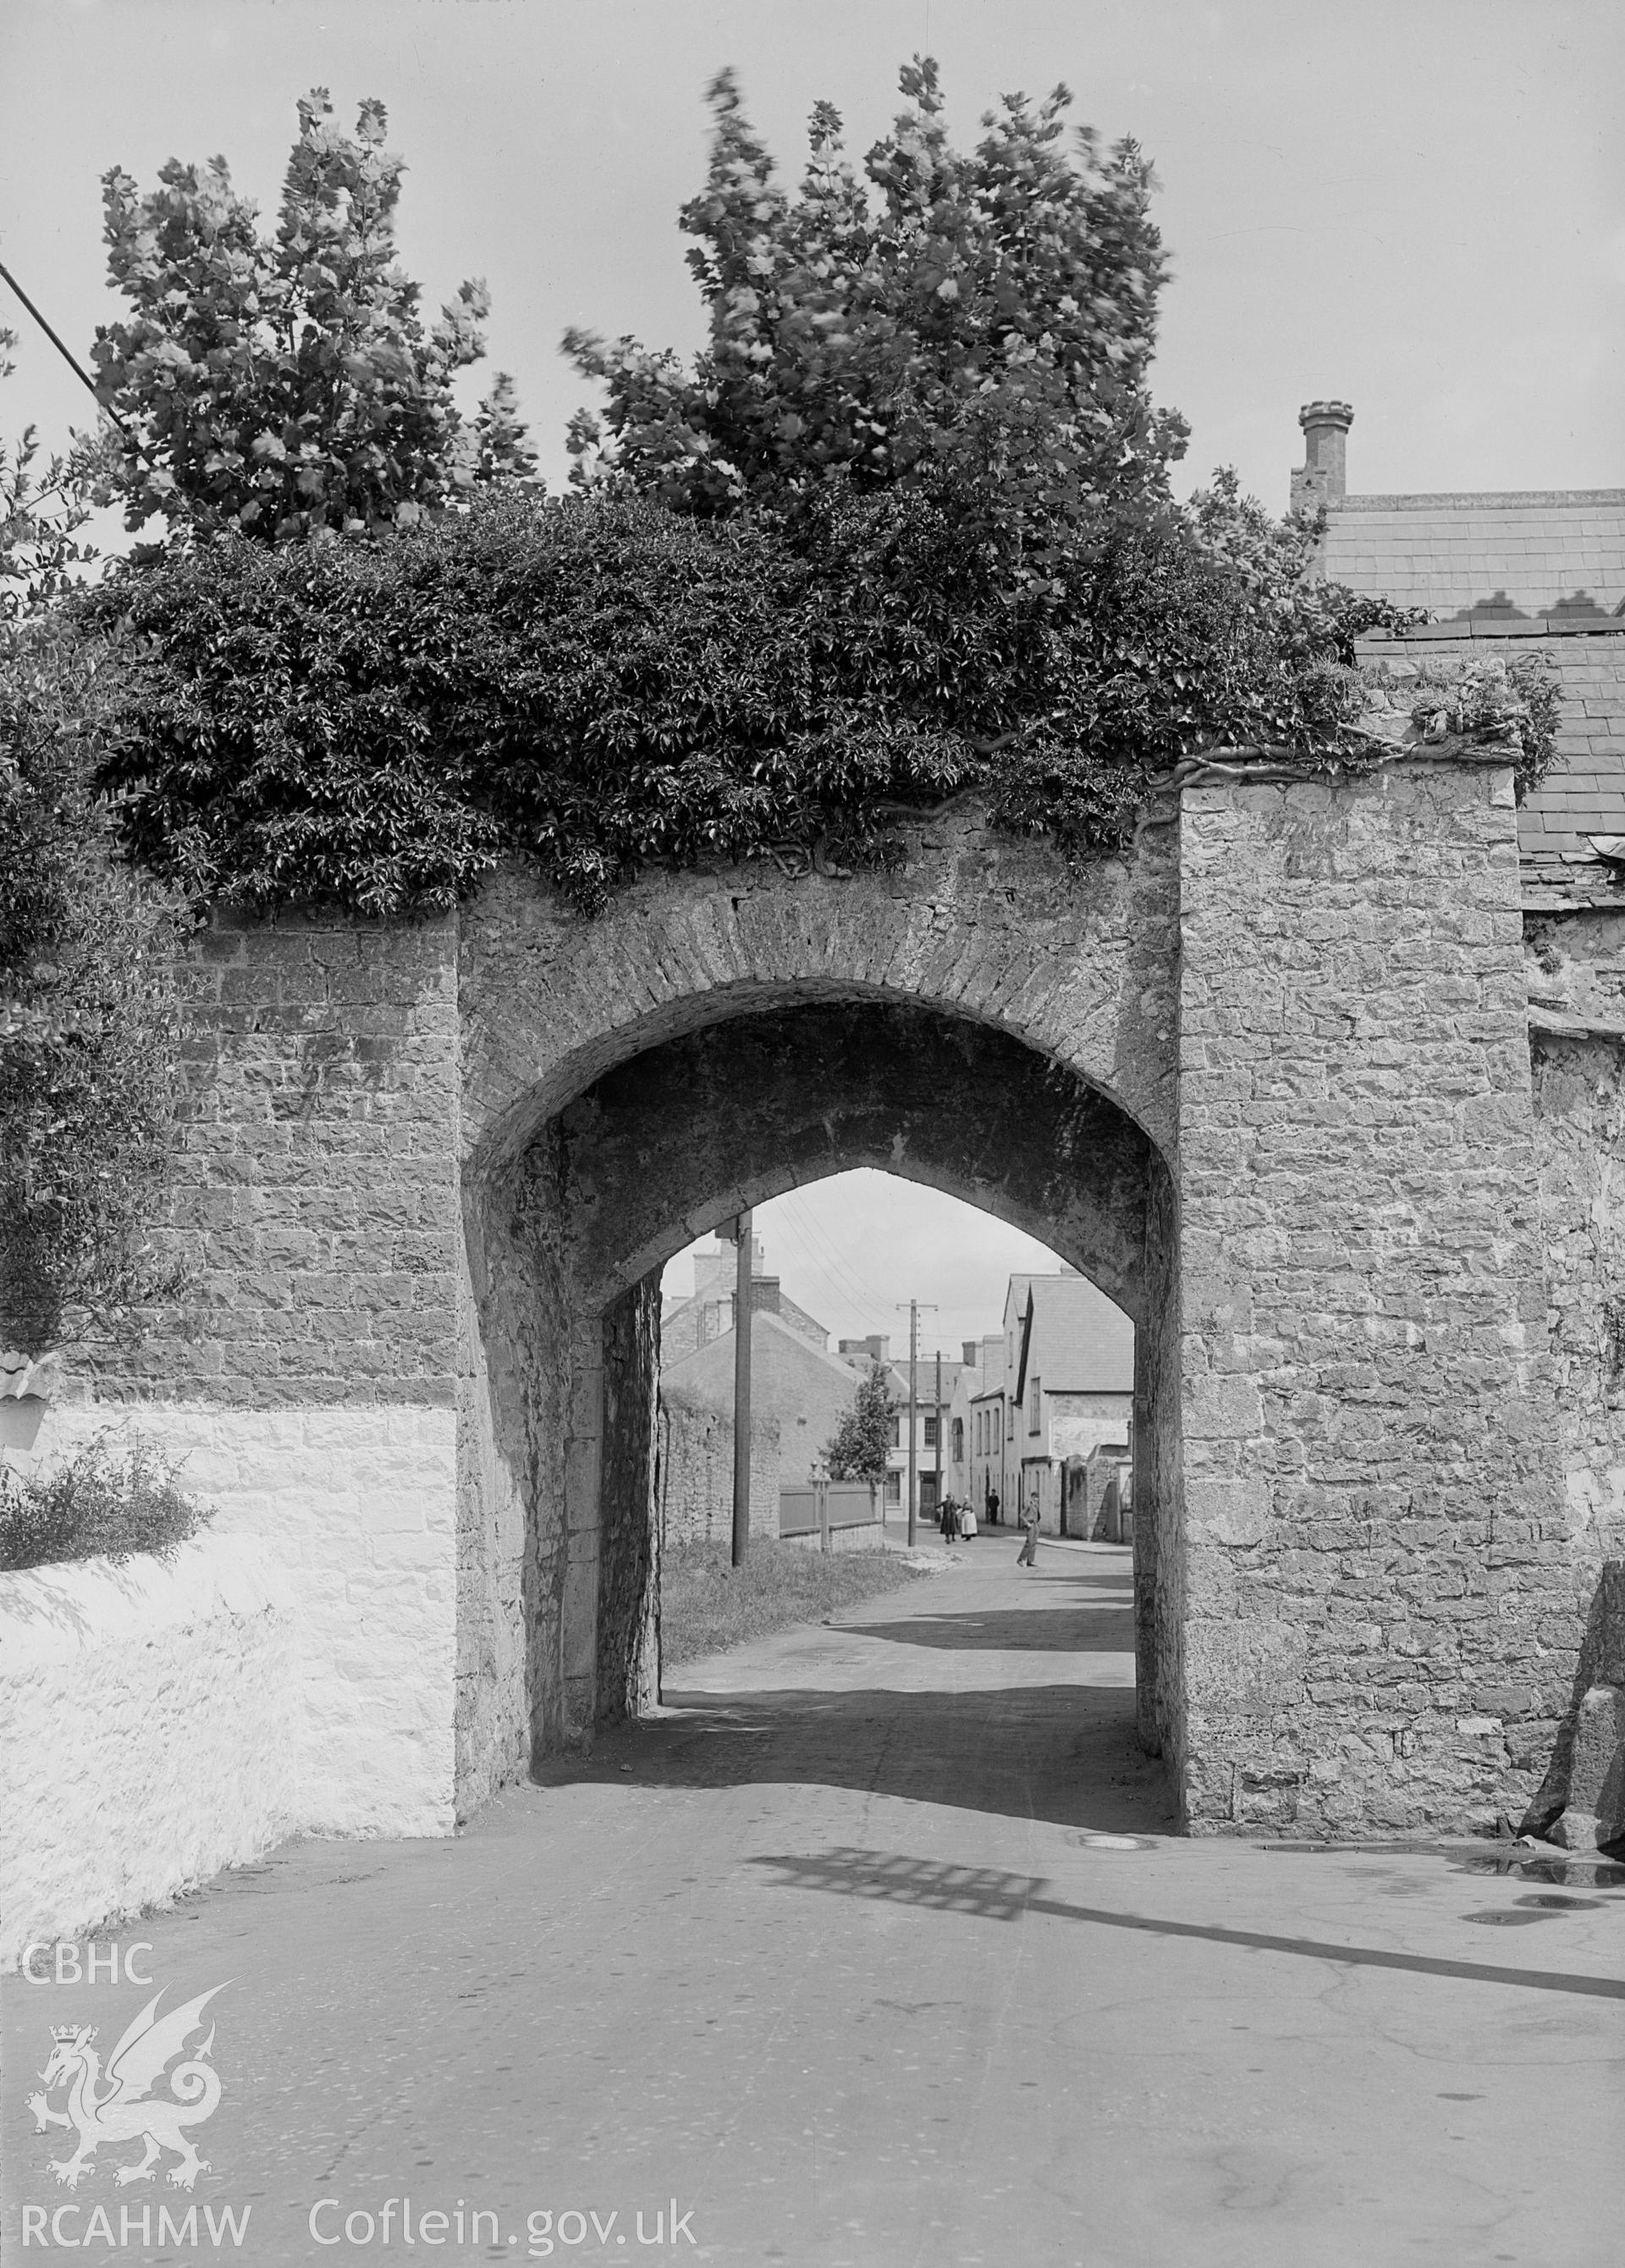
{"x":1078,"y":962}
{"x":670,"y":1144}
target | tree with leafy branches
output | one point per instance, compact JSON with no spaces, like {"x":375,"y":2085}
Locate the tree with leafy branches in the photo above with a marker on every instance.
{"x":981,"y":322}
{"x":502,"y":455}
{"x":288,"y":387}
{"x":88,"y":1011}
{"x":902,"y":530}
{"x":42,"y":510}
{"x":857,"y":1451}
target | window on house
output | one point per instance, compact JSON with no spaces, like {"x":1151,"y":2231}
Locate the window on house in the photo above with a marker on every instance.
{"x":959,"y":1440}
{"x":1033,"y":1407}
{"x":897,"y":1432}
{"x":1010,"y":1421}
{"x":931,"y":1432}
{"x":893,"y":1488}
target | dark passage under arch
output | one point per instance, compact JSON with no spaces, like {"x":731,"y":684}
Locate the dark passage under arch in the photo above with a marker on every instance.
{"x":675,"y":1139}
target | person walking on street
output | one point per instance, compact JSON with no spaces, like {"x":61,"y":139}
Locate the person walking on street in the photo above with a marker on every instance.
{"x":1027,"y":1555}
{"x":993,"y":1507}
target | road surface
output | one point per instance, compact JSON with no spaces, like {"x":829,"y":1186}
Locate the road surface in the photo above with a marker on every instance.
{"x":876,"y":1950}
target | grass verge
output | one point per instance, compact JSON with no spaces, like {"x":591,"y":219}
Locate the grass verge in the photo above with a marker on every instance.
{"x":706,"y":1605}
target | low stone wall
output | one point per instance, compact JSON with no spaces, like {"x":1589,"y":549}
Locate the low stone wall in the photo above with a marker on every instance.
{"x":359,"y":1507}
{"x":869,"y":1536}
{"x":696,"y":1474}
{"x":149,"y":1714}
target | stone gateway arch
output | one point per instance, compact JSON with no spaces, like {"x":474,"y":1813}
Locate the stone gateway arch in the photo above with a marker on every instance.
{"x":1265,"y":1078}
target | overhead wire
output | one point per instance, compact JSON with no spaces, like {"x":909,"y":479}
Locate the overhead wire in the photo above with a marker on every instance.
{"x":854,"y":1288}
{"x":75,"y":364}
{"x":832,"y":1263}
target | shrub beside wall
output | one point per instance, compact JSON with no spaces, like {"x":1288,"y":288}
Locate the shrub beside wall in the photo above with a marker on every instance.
{"x":107,"y":1503}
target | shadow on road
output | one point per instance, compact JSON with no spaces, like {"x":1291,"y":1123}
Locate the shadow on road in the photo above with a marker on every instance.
{"x":1062,"y":1753}
{"x":994,"y":1895}
{"x":905,"y":1695}
{"x":1082,"y":1629}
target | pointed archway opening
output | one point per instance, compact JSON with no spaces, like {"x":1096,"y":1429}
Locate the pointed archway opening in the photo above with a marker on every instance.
{"x":569,"y":1240}
{"x":865,"y":1275}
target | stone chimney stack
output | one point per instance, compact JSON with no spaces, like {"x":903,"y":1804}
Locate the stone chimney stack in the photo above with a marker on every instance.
{"x":971,"y":1350}
{"x":1324,"y":476}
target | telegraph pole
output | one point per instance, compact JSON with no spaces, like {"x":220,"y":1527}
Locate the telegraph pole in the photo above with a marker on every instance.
{"x":939,"y":1433}
{"x":914,"y":1402}
{"x":741,"y":1388}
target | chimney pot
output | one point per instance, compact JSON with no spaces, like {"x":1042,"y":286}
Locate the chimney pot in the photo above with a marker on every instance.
{"x":1323,"y":477}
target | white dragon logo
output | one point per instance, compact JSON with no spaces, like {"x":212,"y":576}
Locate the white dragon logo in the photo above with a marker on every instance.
{"x":112,"y":2106}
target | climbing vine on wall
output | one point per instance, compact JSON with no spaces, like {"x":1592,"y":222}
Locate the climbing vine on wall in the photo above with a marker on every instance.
{"x":597,"y":685}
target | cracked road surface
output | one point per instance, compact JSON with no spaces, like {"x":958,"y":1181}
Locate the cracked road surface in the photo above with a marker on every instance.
{"x":875,"y":1951}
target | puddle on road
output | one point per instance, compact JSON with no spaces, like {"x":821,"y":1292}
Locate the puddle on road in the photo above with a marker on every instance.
{"x":1584,"y":1871}
{"x":1522,"y":1862}
{"x":1590,"y":1870}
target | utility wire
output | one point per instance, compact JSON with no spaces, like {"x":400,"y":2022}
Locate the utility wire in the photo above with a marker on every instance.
{"x":850,"y":1287}
{"x":870,"y":1296}
{"x":828,"y":1260}
{"x":74,"y":363}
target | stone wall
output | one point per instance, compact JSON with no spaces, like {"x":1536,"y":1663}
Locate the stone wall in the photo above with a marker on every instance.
{"x":359,"y":1507}
{"x":1579,"y":1091}
{"x":1576,"y":967}
{"x":316,"y":1213}
{"x":696,"y":1499}
{"x":629,"y":1596}
{"x":309,"y":1375}
{"x":992,"y":1022}
{"x":1266,"y":1079}
{"x":1379,"y":1609}
{"x":529,"y":1416}
{"x":1159,"y":1488}
{"x":149,"y":1713}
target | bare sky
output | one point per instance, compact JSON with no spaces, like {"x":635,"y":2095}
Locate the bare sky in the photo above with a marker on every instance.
{"x":1416,"y":204}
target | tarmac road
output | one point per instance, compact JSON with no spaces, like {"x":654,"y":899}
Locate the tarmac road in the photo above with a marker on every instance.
{"x":875,"y":1951}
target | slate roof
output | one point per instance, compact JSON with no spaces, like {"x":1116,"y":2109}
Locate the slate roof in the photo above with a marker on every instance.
{"x":1542,"y":569}
{"x":703,"y":1377}
{"x":925,"y":1377}
{"x":1081,"y":1343}
{"x":1541,"y":558}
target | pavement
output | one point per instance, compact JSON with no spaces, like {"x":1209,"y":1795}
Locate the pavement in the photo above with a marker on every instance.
{"x":875,"y":1949}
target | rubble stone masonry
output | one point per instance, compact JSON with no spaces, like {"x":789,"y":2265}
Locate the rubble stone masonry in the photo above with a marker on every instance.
{"x":1380,"y":1604}
{"x":1266,"y":1076}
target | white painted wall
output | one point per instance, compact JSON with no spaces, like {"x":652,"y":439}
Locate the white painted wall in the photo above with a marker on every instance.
{"x":146,"y":1709}
{"x":358,"y":1508}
